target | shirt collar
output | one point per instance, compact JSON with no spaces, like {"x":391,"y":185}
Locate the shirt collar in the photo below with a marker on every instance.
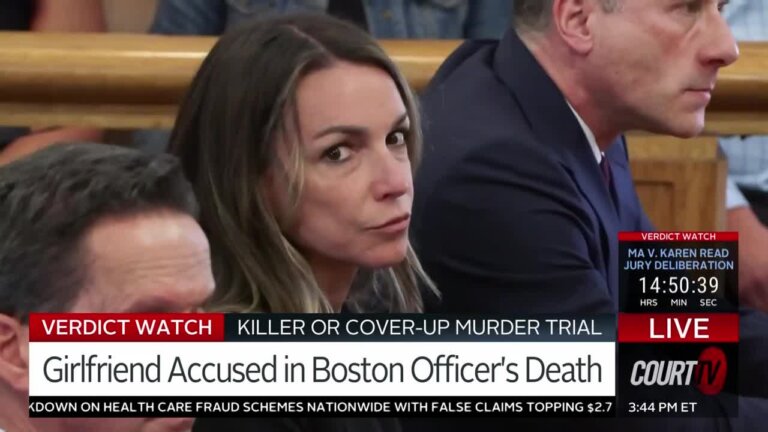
{"x":588,"y":133}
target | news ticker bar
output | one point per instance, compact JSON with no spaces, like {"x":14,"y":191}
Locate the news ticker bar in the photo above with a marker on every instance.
{"x":230,"y":406}
{"x":213,"y":327}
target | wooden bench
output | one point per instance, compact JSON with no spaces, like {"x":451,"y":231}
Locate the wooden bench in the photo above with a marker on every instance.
{"x":125,"y":81}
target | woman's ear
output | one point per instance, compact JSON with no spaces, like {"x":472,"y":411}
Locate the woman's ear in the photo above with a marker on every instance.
{"x":14,"y":353}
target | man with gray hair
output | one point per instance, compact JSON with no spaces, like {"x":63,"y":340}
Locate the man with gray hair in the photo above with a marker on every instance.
{"x":92,"y":228}
{"x":524,"y":146}
{"x":525,"y":180}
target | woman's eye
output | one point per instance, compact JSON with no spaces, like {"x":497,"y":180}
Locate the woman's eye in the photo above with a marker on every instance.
{"x":338,"y":153}
{"x":396,"y":138}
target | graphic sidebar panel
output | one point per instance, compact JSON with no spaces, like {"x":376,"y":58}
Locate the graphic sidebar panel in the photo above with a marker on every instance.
{"x":678,"y":327}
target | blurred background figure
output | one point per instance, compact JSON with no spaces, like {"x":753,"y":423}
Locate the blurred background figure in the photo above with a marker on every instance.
{"x":747,"y":193}
{"x":47,"y":16}
{"x":383,"y":19}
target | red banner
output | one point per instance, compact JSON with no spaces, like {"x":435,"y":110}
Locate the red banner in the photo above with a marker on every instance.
{"x":678,"y":327}
{"x":679,"y":236}
{"x":125,"y":327}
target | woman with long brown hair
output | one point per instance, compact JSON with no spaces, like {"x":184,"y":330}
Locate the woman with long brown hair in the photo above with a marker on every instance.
{"x":300,"y":137}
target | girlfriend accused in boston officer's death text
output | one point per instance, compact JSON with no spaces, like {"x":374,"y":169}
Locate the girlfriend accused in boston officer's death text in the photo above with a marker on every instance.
{"x":421,"y":369}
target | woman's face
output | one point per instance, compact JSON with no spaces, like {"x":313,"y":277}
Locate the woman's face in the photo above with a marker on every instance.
{"x":357,"y":193}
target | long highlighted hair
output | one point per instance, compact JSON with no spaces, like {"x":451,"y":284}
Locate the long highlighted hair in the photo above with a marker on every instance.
{"x":241,"y":100}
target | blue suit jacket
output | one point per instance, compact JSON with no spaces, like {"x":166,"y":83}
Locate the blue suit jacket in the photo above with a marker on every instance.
{"x":511,"y":212}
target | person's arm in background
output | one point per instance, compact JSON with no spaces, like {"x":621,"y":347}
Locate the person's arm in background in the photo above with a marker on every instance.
{"x":189,"y":17}
{"x":753,"y":248}
{"x":69,"y":16}
{"x":59,"y":16}
{"x":487,"y":19}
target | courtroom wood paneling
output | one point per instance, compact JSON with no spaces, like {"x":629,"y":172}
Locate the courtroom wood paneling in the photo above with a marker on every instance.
{"x":681,"y":183}
{"x":140,"y":69}
{"x":85,"y":72}
{"x":136,"y":81}
{"x":105,"y":116}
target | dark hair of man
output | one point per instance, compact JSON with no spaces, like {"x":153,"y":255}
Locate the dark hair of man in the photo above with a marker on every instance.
{"x":50,"y":199}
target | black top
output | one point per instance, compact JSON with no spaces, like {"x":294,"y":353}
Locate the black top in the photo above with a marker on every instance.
{"x":283,"y":424}
{"x":16,"y":14}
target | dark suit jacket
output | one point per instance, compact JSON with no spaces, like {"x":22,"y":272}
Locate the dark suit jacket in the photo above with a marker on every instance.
{"x":512,"y":214}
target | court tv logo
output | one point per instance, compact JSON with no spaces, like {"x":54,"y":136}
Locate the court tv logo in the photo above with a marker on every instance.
{"x":707,"y":373}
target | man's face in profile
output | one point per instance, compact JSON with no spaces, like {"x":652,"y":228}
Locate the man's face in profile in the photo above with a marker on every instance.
{"x":152,"y":262}
{"x":655,"y":62}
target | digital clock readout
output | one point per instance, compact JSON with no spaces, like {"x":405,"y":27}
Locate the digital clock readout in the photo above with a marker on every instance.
{"x":679,"y":285}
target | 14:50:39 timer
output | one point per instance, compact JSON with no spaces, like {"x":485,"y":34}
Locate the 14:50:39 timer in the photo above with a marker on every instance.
{"x":680,"y":285}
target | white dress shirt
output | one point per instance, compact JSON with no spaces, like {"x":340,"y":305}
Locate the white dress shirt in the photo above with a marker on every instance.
{"x":590,"y":136}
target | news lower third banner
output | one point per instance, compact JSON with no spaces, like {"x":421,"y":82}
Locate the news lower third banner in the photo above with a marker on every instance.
{"x":117,"y":365}
{"x":671,"y":350}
